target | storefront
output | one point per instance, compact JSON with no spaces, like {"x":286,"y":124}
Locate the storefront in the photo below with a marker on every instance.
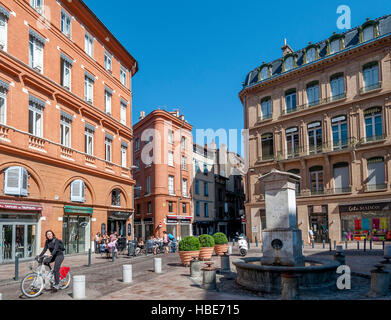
{"x":179,"y":226}
{"x":148,"y":228}
{"x":319,"y":222}
{"x":203,"y":227}
{"x":76,"y":229}
{"x":117,"y":222}
{"x":366,"y":221}
{"x":18,"y":230}
{"x":138,"y":229}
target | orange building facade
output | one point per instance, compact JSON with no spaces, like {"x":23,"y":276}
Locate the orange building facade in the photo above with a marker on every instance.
{"x":163,"y":156}
{"x":65,"y":127}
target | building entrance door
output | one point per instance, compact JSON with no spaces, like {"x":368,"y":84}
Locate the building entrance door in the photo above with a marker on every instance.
{"x":319,"y":223}
{"x":76,"y":234}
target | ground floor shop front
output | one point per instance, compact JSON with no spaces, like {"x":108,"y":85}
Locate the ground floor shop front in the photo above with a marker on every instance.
{"x":23,"y":226}
{"x":353,"y":220}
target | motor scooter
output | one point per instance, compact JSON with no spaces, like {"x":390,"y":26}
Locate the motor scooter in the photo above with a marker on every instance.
{"x":243,"y":245}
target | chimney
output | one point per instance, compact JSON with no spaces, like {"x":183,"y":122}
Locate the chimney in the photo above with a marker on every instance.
{"x":142,"y":115}
{"x":286,"y":49}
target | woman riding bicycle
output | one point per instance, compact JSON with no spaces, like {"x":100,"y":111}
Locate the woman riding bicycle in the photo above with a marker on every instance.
{"x":56,"y":255}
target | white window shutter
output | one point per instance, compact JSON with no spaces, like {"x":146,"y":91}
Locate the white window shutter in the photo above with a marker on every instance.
{"x":23,"y":182}
{"x":3,"y":31}
{"x":12,"y":181}
{"x":77,"y":191}
{"x":38,"y":55}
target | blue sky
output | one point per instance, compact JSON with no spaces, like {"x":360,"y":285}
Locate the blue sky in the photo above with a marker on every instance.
{"x":194,"y":55}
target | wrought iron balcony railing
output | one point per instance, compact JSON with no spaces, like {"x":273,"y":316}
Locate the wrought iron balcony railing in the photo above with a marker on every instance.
{"x":371,"y":87}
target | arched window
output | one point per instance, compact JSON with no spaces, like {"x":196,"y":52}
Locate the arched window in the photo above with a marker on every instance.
{"x":316,"y":180}
{"x":267,"y":146}
{"x":376,"y":174}
{"x":373,"y":124}
{"x":116,"y":198}
{"x":78,"y":191}
{"x":340,"y":132}
{"x":16,"y":181}
{"x":341,"y":177}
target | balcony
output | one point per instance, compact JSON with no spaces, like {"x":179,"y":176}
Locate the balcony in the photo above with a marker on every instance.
{"x":371,"y":87}
{"x":37,"y":143}
{"x":372,"y":139}
{"x":67,"y":153}
{"x":375,"y":187}
{"x":341,"y":190}
{"x":264,"y":118}
{"x":4,"y":133}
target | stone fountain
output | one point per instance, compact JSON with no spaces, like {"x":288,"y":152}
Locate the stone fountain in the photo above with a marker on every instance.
{"x":282,"y":244}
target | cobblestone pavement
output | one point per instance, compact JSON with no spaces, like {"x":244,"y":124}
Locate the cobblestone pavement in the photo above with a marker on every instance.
{"x":104,"y":279}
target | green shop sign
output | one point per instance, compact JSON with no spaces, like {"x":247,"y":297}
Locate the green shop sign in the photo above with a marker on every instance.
{"x":73,"y":209}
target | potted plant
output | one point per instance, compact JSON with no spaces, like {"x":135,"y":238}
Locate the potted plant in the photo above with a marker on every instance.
{"x":189,"y":247}
{"x":207,"y":246}
{"x":221,"y":243}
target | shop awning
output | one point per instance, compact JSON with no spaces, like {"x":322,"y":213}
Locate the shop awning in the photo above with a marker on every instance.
{"x":74,"y":209}
{"x":120,"y":215}
{"x":20,"y":206}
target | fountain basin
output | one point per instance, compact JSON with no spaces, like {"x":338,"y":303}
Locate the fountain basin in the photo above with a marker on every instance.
{"x":316,"y":274}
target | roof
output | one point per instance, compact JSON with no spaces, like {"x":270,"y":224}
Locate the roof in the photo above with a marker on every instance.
{"x":351,"y":40}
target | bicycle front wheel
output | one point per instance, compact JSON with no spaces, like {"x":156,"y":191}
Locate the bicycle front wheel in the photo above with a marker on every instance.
{"x":32,"y":285}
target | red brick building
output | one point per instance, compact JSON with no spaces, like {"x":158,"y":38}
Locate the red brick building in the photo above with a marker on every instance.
{"x":163,"y":154}
{"x":65,"y":127}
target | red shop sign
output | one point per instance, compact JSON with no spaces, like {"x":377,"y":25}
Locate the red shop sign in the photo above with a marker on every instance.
{"x":20,"y":206}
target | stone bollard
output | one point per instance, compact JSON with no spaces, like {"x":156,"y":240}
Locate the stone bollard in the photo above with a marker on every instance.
{"x":79,"y":287}
{"x":225,"y":263}
{"x":289,"y":286}
{"x":157,"y":263}
{"x":209,"y":277}
{"x":195,"y":268}
{"x":230,"y":250}
{"x":339,"y":256}
{"x":380,"y":282}
{"x":127,"y":273}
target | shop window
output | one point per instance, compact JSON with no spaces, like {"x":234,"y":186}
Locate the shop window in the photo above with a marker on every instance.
{"x":184,"y":208}
{"x":116,"y":197}
{"x":16,"y":181}
{"x":78,"y":191}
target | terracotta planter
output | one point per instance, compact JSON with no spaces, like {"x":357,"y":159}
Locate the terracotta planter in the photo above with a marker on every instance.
{"x":186,"y":256}
{"x":220,"y":249}
{"x":206,"y":253}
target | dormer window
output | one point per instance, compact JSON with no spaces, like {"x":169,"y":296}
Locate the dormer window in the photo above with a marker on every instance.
{"x":368,"y":33}
{"x":335,"y":46}
{"x":288,"y":63}
{"x":311,"y":55}
{"x":264,"y":73}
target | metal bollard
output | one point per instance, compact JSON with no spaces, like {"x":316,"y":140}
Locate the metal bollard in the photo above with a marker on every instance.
{"x":89,"y":257}
{"x":209,"y":277}
{"x":157,"y":265}
{"x":233,"y":242}
{"x":16,"y":268}
{"x":365,"y":245}
{"x":346,"y":245}
{"x":330,"y":245}
{"x":256,"y":242}
{"x":383,"y":244}
{"x":225,"y":263}
{"x":380,"y":282}
{"x":358,"y":245}
{"x":370,"y":244}
{"x":313,"y":244}
{"x":289,"y":286}
{"x":324,"y":243}
{"x":248,"y":241}
{"x":79,"y":287}
{"x":113,"y":254}
{"x":230,"y":250}
{"x":335,"y":244}
{"x":127,"y":273}
{"x":195,"y":268}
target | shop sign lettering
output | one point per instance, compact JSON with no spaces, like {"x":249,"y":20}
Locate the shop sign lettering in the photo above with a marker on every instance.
{"x":364,"y":207}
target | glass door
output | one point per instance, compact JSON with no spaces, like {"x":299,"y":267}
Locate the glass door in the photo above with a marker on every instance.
{"x":19,"y":241}
{"x":6,"y":247}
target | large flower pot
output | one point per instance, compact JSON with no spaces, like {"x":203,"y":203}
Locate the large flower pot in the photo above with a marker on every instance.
{"x":220,"y":249}
{"x":206,"y":253}
{"x":187,"y":256}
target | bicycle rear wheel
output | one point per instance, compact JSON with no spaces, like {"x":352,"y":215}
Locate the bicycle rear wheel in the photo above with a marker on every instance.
{"x":32,"y":285}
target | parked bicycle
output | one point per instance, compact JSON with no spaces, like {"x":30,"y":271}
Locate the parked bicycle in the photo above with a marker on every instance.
{"x":33,"y":283}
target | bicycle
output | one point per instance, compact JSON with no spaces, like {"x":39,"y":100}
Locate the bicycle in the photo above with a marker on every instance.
{"x":33,"y":283}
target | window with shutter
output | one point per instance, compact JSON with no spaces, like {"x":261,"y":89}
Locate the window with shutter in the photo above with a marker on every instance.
{"x":3,"y":32}
{"x":77,"y":191}
{"x":16,"y":181}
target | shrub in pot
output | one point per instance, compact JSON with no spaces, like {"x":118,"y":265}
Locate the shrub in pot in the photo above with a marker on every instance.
{"x":189,"y":247}
{"x":207,"y":246}
{"x":221,"y":243}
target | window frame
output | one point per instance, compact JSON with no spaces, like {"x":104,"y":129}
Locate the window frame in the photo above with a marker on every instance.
{"x":89,"y":44}
{"x":108,"y":149}
{"x":36,"y":61}
{"x":65,"y":123}
{"x":36,"y":110}
{"x":89,"y":134}
{"x":4,"y":34}
{"x":3,"y":107}
{"x":67,"y":16}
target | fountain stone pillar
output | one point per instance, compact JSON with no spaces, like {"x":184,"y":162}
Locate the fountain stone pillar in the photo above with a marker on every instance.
{"x":282,"y":240}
